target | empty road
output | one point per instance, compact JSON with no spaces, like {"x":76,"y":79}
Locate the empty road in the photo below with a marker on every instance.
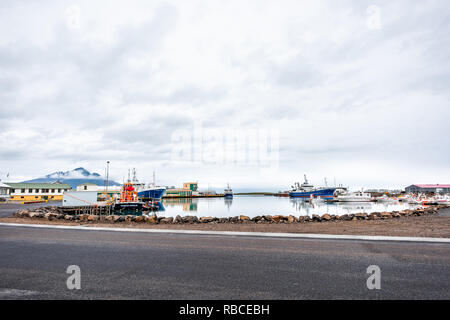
{"x":124,"y":265}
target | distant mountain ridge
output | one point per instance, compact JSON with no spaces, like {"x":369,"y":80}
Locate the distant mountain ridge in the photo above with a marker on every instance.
{"x":74,"y":178}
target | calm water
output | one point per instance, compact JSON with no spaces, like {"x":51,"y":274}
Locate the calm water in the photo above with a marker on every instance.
{"x":267,"y":205}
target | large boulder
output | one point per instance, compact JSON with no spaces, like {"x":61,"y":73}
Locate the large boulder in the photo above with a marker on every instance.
{"x":396,"y":215}
{"x":33,"y":214}
{"x":256,"y":219}
{"x":244,"y":218}
{"x":167,"y":220}
{"x":50,"y":216}
{"x":139,"y":219}
{"x":292,"y":219}
{"x":325,"y":217}
{"x":206,"y":219}
{"x":92,"y":217}
{"x":190,"y":219}
{"x":151,"y":219}
{"x":279,"y":218}
{"x":385,"y":215}
{"x":234,"y":219}
{"x":361,"y":216}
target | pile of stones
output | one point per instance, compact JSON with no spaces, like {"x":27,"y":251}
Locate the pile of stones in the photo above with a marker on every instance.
{"x":55,"y":213}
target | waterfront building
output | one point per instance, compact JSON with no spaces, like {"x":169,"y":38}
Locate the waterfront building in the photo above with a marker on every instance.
{"x":178,"y":192}
{"x":4,"y":191}
{"x":193,"y":186}
{"x":189,"y":189}
{"x":79,"y":198}
{"x":87,"y":187}
{"x":37,"y":191}
{"x":428,"y":188}
{"x":113,"y":191}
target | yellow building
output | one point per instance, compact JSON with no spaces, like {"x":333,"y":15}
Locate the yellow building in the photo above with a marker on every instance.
{"x":189,"y":189}
{"x":37,"y":191}
{"x":193,"y":186}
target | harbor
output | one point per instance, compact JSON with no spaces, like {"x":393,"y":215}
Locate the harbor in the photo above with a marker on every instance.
{"x":134,"y":197}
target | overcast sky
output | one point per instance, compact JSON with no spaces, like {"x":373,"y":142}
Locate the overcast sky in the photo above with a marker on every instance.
{"x":356,"y":91}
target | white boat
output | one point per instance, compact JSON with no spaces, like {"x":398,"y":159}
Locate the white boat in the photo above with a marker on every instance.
{"x":358,"y":196}
{"x":385,"y":198}
{"x":313,"y":200}
{"x":441,"y":200}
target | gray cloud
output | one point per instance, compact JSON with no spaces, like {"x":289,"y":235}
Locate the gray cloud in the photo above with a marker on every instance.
{"x":118,"y":87}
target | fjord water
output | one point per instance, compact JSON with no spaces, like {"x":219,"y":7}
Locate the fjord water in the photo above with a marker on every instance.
{"x":253,"y":206}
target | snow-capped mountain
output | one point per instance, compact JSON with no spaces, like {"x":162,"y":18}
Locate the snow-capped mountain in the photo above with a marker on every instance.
{"x":74,"y":178}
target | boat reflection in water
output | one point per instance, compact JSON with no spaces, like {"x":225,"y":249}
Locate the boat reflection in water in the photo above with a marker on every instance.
{"x":339,"y":208}
{"x":253,"y":206}
{"x":228,"y":202}
{"x":187,"y":204}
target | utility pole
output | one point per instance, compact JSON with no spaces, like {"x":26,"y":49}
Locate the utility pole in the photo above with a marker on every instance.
{"x":107,"y":177}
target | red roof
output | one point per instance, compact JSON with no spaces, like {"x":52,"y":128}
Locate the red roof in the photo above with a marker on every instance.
{"x":432,"y":185}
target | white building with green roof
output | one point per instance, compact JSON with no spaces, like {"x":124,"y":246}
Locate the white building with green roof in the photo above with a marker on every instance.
{"x":37,"y":191}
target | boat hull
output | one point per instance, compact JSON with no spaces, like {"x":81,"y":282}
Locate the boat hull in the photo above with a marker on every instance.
{"x":353,"y":200}
{"x":323,"y":193}
{"x":153,"y":194}
{"x":128,"y":206}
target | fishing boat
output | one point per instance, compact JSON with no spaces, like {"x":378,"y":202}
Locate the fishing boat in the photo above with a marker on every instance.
{"x":228,"y":192}
{"x":358,"y":196}
{"x":148,"y":192}
{"x":306,"y":191}
{"x":128,"y":199}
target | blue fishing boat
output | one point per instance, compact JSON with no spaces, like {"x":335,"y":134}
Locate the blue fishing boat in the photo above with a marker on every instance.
{"x":152,"y":192}
{"x":228,"y":192}
{"x":307,"y":191}
{"x":148,"y":191}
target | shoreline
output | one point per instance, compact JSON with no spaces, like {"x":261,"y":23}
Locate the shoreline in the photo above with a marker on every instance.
{"x":422,"y":224}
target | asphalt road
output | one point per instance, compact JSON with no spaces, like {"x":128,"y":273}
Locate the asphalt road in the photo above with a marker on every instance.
{"x":7,"y":209}
{"x":120,"y":265}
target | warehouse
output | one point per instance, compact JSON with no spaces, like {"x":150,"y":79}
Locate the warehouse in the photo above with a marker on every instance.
{"x":37,"y":191}
{"x":428,"y":188}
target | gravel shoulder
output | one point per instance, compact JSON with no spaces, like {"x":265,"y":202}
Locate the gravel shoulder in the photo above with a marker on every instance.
{"x":414,"y":226}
